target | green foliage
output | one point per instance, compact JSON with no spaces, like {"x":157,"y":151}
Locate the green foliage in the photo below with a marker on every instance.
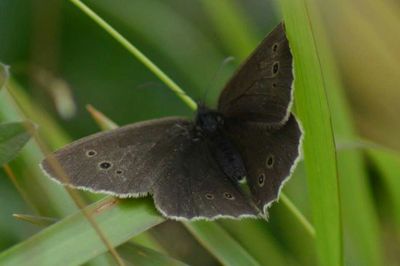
{"x":63,"y":240}
{"x":319,"y":146}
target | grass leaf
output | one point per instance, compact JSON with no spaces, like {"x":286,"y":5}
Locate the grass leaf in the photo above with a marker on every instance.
{"x":36,"y":220}
{"x":258,"y":241}
{"x":360,"y":221}
{"x":64,"y":240}
{"x":362,"y":243}
{"x":319,"y":147}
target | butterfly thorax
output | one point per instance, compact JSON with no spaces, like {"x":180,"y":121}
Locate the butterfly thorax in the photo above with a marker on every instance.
{"x":209,"y":126}
{"x":208,"y":122}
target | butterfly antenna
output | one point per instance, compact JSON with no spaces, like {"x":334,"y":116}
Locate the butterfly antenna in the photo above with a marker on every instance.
{"x":217,"y":73}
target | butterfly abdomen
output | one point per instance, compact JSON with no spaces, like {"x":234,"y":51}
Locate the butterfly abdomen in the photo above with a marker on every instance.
{"x":228,"y":157}
{"x":210,"y":126}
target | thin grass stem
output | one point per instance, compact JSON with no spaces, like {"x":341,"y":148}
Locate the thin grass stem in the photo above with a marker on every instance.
{"x":298,"y":214}
{"x":136,"y":53}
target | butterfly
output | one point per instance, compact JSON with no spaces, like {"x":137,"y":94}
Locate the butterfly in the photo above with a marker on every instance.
{"x":230,"y":162}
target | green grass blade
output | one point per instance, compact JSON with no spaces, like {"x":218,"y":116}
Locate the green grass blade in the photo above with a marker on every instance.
{"x":220,"y":243}
{"x":299,"y":216}
{"x":360,"y":221}
{"x":74,"y":240}
{"x":258,"y":241}
{"x":147,"y":240}
{"x":101,"y":120}
{"x":13,"y":136}
{"x":319,"y":147}
{"x":36,"y":220}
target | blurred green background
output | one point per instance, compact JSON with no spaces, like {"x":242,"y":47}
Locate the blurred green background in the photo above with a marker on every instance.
{"x":54,"y":37}
{"x":63,"y":61}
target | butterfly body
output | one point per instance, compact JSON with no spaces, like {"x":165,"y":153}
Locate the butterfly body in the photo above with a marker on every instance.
{"x":193,"y":168}
{"x":210,"y":128}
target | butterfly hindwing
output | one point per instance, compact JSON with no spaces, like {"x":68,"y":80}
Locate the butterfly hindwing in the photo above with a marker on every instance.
{"x":191,"y":185}
{"x":262,"y":88}
{"x":269,"y":156}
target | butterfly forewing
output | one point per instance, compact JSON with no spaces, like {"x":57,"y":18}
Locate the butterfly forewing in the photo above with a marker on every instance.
{"x":115,"y":162}
{"x":261,"y":90}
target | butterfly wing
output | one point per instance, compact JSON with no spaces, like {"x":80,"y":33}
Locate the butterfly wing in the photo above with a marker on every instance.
{"x":269,"y":155}
{"x":159,"y":157}
{"x":262,"y":88}
{"x":113,"y":162}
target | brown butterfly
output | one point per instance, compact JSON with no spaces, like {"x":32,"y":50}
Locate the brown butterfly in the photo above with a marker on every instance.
{"x":193,"y":169}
